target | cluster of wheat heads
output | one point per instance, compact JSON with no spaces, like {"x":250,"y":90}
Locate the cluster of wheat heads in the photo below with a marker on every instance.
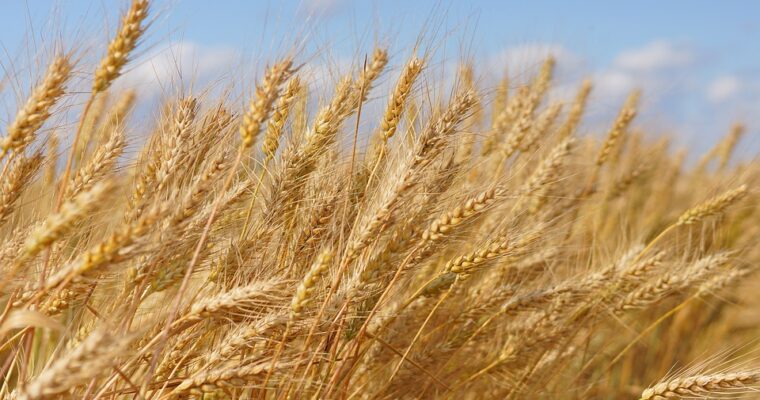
{"x":476,"y":247}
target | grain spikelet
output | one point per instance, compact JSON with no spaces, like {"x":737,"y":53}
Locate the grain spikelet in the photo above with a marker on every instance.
{"x":90,"y":359}
{"x":305,"y":289}
{"x":263,"y":101}
{"x":121,"y":46}
{"x":101,"y":163}
{"x":239,"y":302}
{"x":279,"y":117}
{"x":113,"y":249}
{"x":38,"y":107}
{"x":59,"y":224}
{"x":576,"y":111}
{"x":702,"y":385}
{"x":395,"y":108}
{"x":713,"y":206}
{"x":21,"y":171}
{"x":624,"y":118}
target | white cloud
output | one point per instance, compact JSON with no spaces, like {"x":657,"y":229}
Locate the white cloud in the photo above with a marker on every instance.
{"x":614,"y":83}
{"x":657,"y":55}
{"x":523,"y":61}
{"x":322,"y":7}
{"x":180,"y":63}
{"x":664,"y":70}
{"x":659,"y":68}
{"x":723,"y":88}
{"x":323,"y":74}
{"x":733,"y":97}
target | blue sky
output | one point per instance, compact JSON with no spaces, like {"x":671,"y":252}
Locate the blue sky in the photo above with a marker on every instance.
{"x":698,"y":62}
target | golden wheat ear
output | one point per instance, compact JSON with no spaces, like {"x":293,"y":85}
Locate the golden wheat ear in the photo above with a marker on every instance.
{"x":624,"y":118}
{"x":91,"y":358}
{"x":576,"y":111}
{"x":131,"y":30}
{"x":713,"y":206}
{"x":21,"y":170}
{"x":276,"y":125}
{"x":262,"y":103}
{"x":38,"y":107}
{"x":305,"y":289}
{"x":703,"y":385}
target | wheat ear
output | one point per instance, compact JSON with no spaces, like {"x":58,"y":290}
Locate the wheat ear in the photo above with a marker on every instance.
{"x":395,"y":108}
{"x":59,"y":224}
{"x":38,"y":107}
{"x":20,"y":173}
{"x":576,"y":110}
{"x":242,"y":302}
{"x":713,"y":206}
{"x":624,"y":118}
{"x":701,"y":385}
{"x":304,"y":292}
{"x":263,"y":101}
{"x":90,"y":359}
{"x":130,"y":31}
{"x":100,"y":165}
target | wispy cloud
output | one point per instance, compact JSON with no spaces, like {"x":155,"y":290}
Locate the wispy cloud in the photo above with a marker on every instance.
{"x":656,"y":56}
{"x":661,"y":68}
{"x":735,"y":97}
{"x":323,"y":7}
{"x":521,"y":61}
{"x":664,"y":70}
{"x":179,"y":64}
{"x":723,"y":88}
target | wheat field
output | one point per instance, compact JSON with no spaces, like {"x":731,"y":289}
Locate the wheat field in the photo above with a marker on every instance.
{"x":469,"y":243}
